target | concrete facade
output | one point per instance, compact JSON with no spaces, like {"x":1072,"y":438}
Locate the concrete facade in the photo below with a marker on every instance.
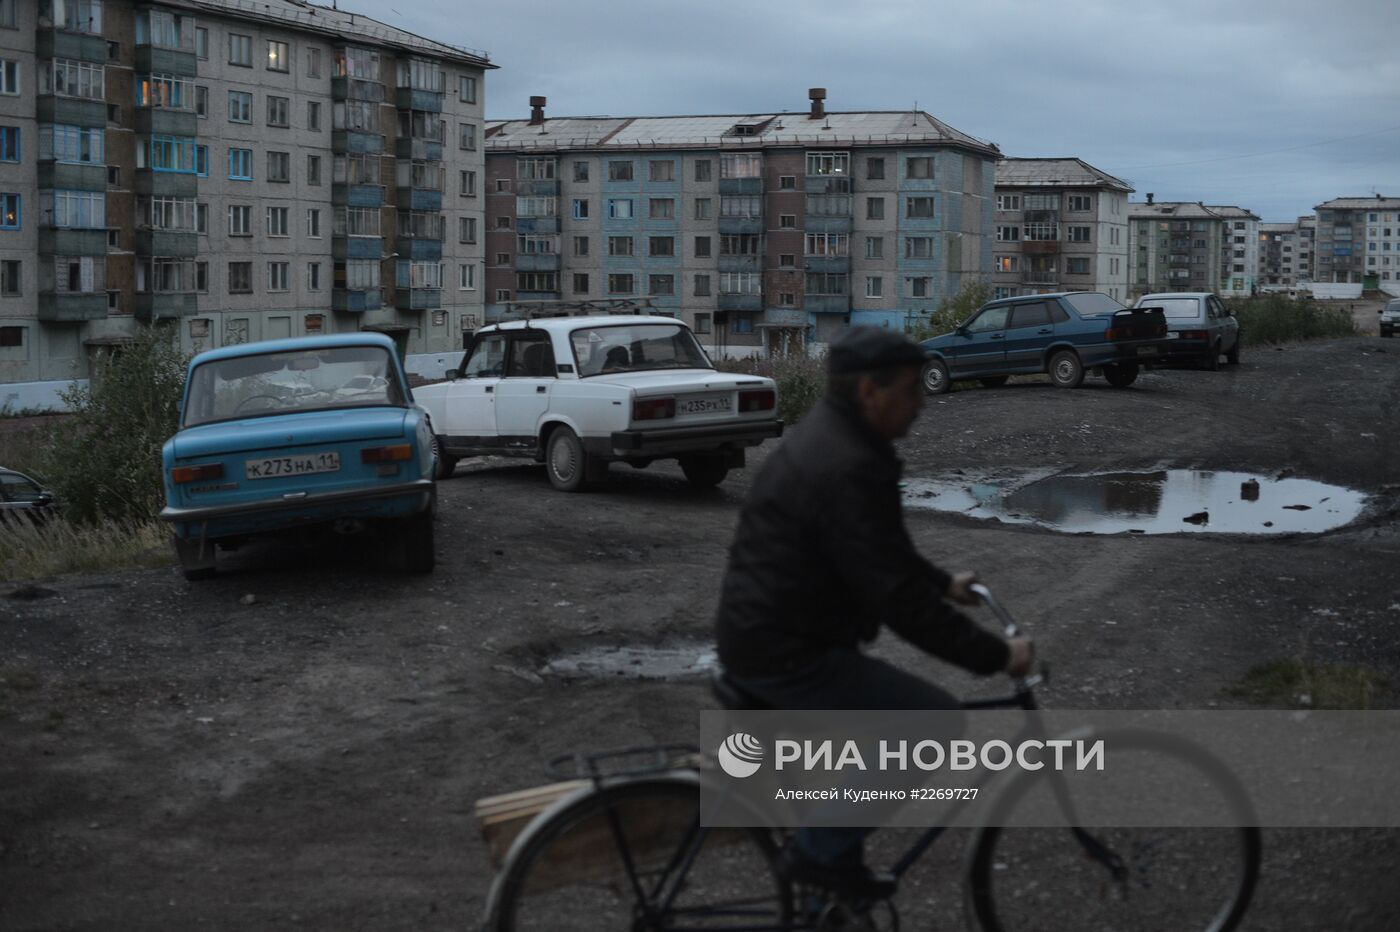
{"x":1358,"y":241}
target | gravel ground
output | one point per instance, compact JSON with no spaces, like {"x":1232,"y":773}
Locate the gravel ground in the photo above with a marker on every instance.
{"x":298,"y":743}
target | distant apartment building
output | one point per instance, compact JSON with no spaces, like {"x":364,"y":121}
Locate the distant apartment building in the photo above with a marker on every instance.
{"x":1061,"y":225}
{"x":236,"y":171}
{"x":1279,"y":256}
{"x":1358,"y":240}
{"x":1307,"y":237}
{"x":1239,"y":251}
{"x":1188,"y":246}
{"x":766,"y":232}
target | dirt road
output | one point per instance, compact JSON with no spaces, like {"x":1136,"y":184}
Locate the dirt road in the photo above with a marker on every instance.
{"x":297,"y":744}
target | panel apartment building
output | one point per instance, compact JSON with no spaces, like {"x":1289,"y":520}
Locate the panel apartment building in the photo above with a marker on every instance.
{"x":237,"y":170}
{"x":1358,"y":240}
{"x":1061,"y":225}
{"x":1189,"y":246}
{"x":765,"y":232}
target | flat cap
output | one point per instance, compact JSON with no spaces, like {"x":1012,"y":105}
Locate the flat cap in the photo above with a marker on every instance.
{"x":865,"y":349}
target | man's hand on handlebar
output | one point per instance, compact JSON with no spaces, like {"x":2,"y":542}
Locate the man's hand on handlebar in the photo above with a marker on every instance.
{"x":959,"y":589}
{"x":1021,"y":657}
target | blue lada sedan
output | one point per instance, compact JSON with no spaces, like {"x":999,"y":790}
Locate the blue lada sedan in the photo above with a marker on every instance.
{"x":287,"y":434}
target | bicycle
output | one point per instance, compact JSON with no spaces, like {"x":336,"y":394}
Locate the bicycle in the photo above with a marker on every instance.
{"x":626,"y":850}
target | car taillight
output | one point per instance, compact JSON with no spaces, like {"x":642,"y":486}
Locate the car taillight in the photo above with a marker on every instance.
{"x":762,"y":400}
{"x":1116,"y":333}
{"x":182,"y":474}
{"x":1193,"y":334}
{"x":393,"y":454}
{"x":653,"y":409}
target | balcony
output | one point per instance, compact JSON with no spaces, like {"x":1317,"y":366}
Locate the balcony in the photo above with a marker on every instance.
{"x":1040,"y":278}
{"x":735,"y":226}
{"x":356,"y":89}
{"x":538,"y":295}
{"x":412,"y":198}
{"x":740,"y":263}
{"x":172,"y":184}
{"x":420,"y":249}
{"x":73,"y":111}
{"x":162,"y":122}
{"x":417,"y":148}
{"x":356,"y":300}
{"x":178,"y":244}
{"x":735,"y":186}
{"x":154,"y":59}
{"x":740,"y":302}
{"x":1040,"y":247}
{"x":413,"y":98}
{"x":357,"y":195}
{"x":68,"y":176}
{"x":418,"y":299}
{"x":356,"y":142}
{"x":827,"y":263}
{"x":1042,"y":216}
{"x":827,"y":184}
{"x":60,"y":241}
{"x":165,"y":305}
{"x":537,"y":262}
{"x":71,"y":308}
{"x":785,"y":317}
{"x":827,"y":224}
{"x":356,"y":247}
{"x":827,"y":303}
{"x":537,"y":224}
{"x":57,"y":42}
{"x":548,"y":187}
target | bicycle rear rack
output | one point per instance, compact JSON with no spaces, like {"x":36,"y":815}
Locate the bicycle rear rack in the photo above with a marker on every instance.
{"x":626,"y":762}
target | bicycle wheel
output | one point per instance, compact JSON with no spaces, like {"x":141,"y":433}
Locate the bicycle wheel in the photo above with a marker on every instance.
{"x":634,"y":856}
{"x":1128,"y":879}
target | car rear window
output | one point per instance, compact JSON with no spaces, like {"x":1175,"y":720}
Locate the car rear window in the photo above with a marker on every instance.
{"x":1092,"y":302}
{"x":306,"y":379}
{"x":1176,"y":308}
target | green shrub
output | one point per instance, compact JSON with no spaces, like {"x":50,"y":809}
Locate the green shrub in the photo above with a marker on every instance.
{"x":1280,"y":319}
{"x":801,"y":381}
{"x":952,"y":311}
{"x":103,"y":462}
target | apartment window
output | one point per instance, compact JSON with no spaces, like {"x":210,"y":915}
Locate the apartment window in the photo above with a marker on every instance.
{"x":786,"y":299}
{"x":620,"y":283}
{"x":918,"y":207}
{"x":581,"y":247}
{"x":1041,"y":232}
{"x":703,"y":170}
{"x":502,"y":294}
{"x":741,"y":165}
{"x":1077,"y":234}
{"x":467,"y":136}
{"x":357,"y":221}
{"x":201,"y":42}
{"x":828,"y":163}
{"x":787,"y":182}
{"x":467,"y":182}
{"x":1008,"y":234}
{"x":580,"y":208}
{"x":874,"y":286}
{"x":503,"y":223}
{"x":661,"y":246}
{"x":918,"y":166}
{"x":240,"y":278}
{"x":9,"y":76}
{"x":536,"y":206}
{"x":277,"y":276}
{"x":742,"y":323}
{"x":165,"y":213}
{"x":201,"y":160}
{"x":9,"y":278}
{"x":114,"y":240}
{"x":313,"y":276}
{"x":703,"y":323}
{"x":702,"y":286}
{"x":73,"y":79}
{"x":201,"y":219}
{"x":661,"y":284}
{"x":201,"y":102}
{"x":313,"y":223}
{"x":661,"y":208}
{"x":580,"y":283}
{"x":240,"y":107}
{"x":1008,"y":202}
{"x":11,"y":336}
{"x":662,"y":170}
{"x":875,"y":169}
{"x":1077,"y":265}
{"x":503,"y":258}
{"x":240,"y":50}
{"x":919,"y":286}
{"x":77,"y":210}
{"x":875,"y":208}
{"x":279,"y":166}
{"x":738,"y":283}
{"x":313,"y":169}
{"x":918,"y":247}
{"x":874,"y":247}
{"x":619,"y":245}
{"x":164,"y":92}
{"x":620,"y":208}
{"x":619,"y":171}
{"x":580,"y":171}
{"x":787,"y":221}
{"x":66,"y":144}
{"x":466,"y":89}
{"x":240,"y":220}
{"x":1006,"y":263}
{"x":278,"y":56}
{"x":466,"y":276}
{"x":702,"y":247}
{"x":1079,"y":203}
{"x":704,"y":208}
{"x":466,"y":229}
{"x":277,"y":221}
{"x":828,"y":244}
{"x":277,"y":111}
{"x":830,"y":283}
{"x":537,"y":245}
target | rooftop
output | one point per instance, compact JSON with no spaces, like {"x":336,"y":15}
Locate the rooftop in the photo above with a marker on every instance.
{"x":1061,"y":173}
{"x":1376,"y":202}
{"x":1188,"y":210}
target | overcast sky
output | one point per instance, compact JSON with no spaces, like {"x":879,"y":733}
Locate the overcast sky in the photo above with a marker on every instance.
{"x":1272,"y":105}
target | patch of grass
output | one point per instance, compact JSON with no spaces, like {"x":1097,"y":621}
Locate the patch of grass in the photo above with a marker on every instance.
{"x":19,"y":679}
{"x":1301,"y":684}
{"x":1271,"y":319}
{"x":29,"y":551}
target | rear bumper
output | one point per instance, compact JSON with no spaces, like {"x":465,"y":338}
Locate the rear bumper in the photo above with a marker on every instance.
{"x":383,"y":501}
{"x":626,"y":444}
{"x":1144,"y":352}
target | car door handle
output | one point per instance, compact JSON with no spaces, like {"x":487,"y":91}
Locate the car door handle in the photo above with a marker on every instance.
{"x":1045,"y":330}
{"x":490,"y":389}
{"x":541,"y":389}
{"x":997,"y":336}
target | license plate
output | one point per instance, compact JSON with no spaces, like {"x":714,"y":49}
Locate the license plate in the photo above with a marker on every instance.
{"x":280,"y":467}
{"x":704,"y":404}
{"x":1147,"y":351}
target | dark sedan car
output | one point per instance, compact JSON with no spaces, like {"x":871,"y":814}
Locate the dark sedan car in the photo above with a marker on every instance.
{"x":1066,"y":335}
{"x":21,"y":496}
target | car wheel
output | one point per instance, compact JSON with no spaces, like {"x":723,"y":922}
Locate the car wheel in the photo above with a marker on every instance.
{"x":570,"y":468}
{"x":416,"y":542}
{"x":196,"y":558}
{"x":936,"y":381}
{"x":1121,"y":375}
{"x":996,"y":381}
{"x":446,"y":462}
{"x":704,"y":472}
{"x":1065,"y":370}
{"x":1233,"y":357}
{"x":1211,"y":360}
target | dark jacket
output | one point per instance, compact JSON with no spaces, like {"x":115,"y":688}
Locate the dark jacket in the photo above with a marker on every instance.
{"x":821,"y":559}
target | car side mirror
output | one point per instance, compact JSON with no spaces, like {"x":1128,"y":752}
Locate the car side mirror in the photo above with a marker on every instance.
{"x":453,"y":375}
{"x":45,"y":498}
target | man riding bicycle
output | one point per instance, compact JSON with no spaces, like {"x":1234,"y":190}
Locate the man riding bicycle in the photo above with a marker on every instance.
{"x":821,"y":559}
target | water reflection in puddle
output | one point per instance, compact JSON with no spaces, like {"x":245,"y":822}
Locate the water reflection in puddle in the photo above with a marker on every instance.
{"x":1170,"y":501}
{"x":646,"y":663}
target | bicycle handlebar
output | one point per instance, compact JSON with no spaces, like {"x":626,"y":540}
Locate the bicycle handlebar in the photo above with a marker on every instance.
{"x":982,"y":592}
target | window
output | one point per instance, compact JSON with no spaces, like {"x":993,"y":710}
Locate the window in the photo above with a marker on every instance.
{"x":828,"y":163}
{"x":313,"y":169}
{"x":11,"y":336}
{"x":787,"y":221}
{"x":739,"y":283}
{"x":919,"y":286}
{"x":1078,"y":234}
{"x":467,"y":183}
{"x":66,"y":144}
{"x":875,"y":208}
{"x":503,"y":223}
{"x":201,"y":102}
{"x":620,"y":208}
{"x":704,"y":208}
{"x":874,"y":286}
{"x":1006,"y":263}
{"x":703,"y":323}
{"x":830,"y":283}
{"x":661,"y":285}
{"x":661,"y":208}
{"x":619,"y":245}
{"x":277,"y":221}
{"x":918,"y":247}
{"x":201,"y":160}
{"x":240,"y":278}
{"x":918,"y":207}
{"x":742,"y":323}
{"x":874,"y":247}
{"x":277,"y":276}
{"x":114,"y":239}
{"x":918,"y":166}
{"x":278,"y":56}
{"x":1042,"y":232}
{"x":9,"y":76}
{"x":537,"y":245}
{"x":1042,"y":202}
{"x":201,"y":219}
{"x":277,"y":111}
{"x":1008,"y":202}
{"x":164,"y":91}
{"x":787,"y":182}
{"x":620,"y":283}
{"x":661,"y":246}
{"x":358,"y":115}
{"x":201,"y":42}
{"x":466,"y":229}
{"x":466,"y":276}
{"x":279,"y":166}
{"x":536,"y":206}
{"x":662,"y":170}
{"x":787,"y":261}
{"x":313,"y":62}
{"x":741,"y":165}
{"x":1008,"y":234}
{"x":875,"y":169}
{"x":356,"y":221}
{"x":467,"y":139}
{"x":580,"y":171}
{"x":166,"y":213}
{"x":1080,"y":203}
{"x":77,"y":210}
{"x":702,"y":247}
{"x":580,"y":208}
{"x":313,"y":277}
{"x":9,"y":278}
{"x":73,"y":79}
{"x":619,"y":171}
{"x":702,"y":286}
{"x":827,"y":244}
{"x":1077,"y":265}
{"x":466,"y":89}
{"x":581,"y":246}
{"x":313,"y":222}
{"x":240,"y":50}
{"x":240,"y":107}
{"x":240,"y":220}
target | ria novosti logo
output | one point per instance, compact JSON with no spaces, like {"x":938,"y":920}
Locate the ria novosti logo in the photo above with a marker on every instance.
{"x":740,"y":755}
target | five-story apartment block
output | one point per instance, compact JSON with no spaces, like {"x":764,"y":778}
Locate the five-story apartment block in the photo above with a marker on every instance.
{"x":1358,"y":240}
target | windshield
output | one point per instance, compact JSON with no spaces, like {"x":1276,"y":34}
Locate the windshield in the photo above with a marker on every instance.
{"x":1177,"y":308}
{"x":1089,"y":303}
{"x":300,"y":380}
{"x":636,"y":347}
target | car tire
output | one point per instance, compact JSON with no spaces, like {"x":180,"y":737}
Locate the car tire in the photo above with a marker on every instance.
{"x":1233,"y":357}
{"x":704,"y":472}
{"x":196,"y":559}
{"x":1211,"y":360}
{"x":1122,"y":375}
{"x":1065,"y":369}
{"x":995,"y":381}
{"x":935,"y":377}
{"x":446,"y":462}
{"x":570,"y":468}
{"x":416,"y":542}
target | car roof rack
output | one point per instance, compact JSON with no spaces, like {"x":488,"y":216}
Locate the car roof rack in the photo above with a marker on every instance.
{"x":534,"y":310}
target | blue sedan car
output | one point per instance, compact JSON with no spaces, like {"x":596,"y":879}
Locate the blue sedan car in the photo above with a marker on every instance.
{"x":318,"y":431}
{"x":1066,"y":335}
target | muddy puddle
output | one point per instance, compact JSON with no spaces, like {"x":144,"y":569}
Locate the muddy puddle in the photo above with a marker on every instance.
{"x":1168,"y":501}
{"x":646,"y":663}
